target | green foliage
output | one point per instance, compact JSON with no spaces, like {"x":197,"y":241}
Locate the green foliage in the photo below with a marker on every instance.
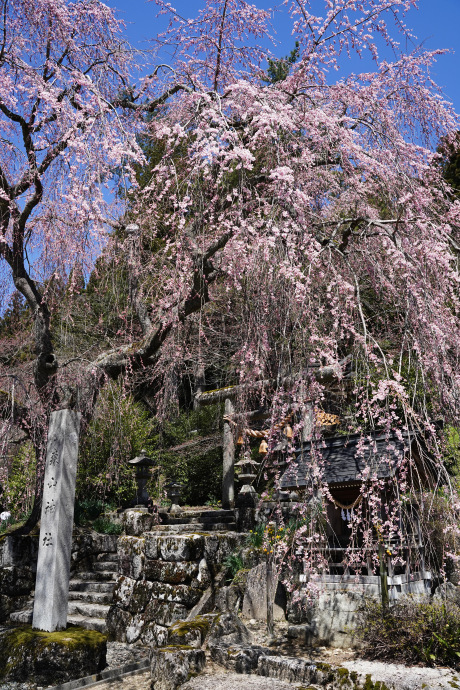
{"x":279,"y":69}
{"x":412,"y":632}
{"x":16,"y":316}
{"x":440,"y":533}
{"x":105,"y":526}
{"x":233,"y":563}
{"x":87,"y":510}
{"x":188,"y":450}
{"x":452,"y":450}
{"x":119,"y":430}
{"x":18,"y":490}
{"x":255,"y":537}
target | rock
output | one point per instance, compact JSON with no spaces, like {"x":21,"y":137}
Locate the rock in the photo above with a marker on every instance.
{"x":171,"y":667}
{"x":164,"y":612}
{"x":302,"y":633}
{"x":136,"y":522}
{"x":10,"y":604}
{"x":218,"y":546}
{"x":117,"y":621}
{"x":15,"y":581}
{"x":228,"y":629}
{"x":18,"y":550}
{"x":180,"y":547}
{"x":135,"y":628}
{"x":51,"y":658}
{"x":255,"y":596}
{"x":123,"y":592}
{"x":238,"y":658}
{"x":131,"y":557}
{"x":447,"y":592}
{"x":251,"y":557}
{"x":104,"y":543}
{"x":171,"y":572}
{"x":204,"y":578}
{"x":191,"y":632}
{"x":154,"y":635}
{"x":227,"y":599}
{"x":288,"y":669}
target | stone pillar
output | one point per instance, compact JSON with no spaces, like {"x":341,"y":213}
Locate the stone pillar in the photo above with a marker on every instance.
{"x":53,"y":567}
{"x":228,"y":476}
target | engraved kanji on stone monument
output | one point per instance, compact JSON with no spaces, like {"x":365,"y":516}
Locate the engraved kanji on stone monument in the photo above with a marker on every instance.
{"x":53,"y":567}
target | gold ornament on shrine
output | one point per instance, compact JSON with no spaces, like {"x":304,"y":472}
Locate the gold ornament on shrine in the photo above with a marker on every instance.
{"x":240,"y":440}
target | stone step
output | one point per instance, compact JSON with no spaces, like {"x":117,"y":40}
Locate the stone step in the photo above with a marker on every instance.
{"x":208,"y":513}
{"x":90,"y":623}
{"x":85,"y":586}
{"x":101,"y":576}
{"x":24,"y":616}
{"x":90,"y":597}
{"x":98,"y":624}
{"x":196,"y":527}
{"x":105,"y":566}
{"x":107,"y":557}
{"x":88,"y":610}
{"x":201,"y":520}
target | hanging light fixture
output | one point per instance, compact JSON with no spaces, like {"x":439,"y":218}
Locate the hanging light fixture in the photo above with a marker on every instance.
{"x":263,"y":448}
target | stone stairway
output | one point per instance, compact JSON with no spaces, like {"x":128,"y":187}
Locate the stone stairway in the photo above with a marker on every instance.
{"x":197,"y":521}
{"x":90,"y":594}
{"x":95,"y":574}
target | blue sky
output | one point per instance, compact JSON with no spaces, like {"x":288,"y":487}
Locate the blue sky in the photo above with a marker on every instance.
{"x":436,"y":24}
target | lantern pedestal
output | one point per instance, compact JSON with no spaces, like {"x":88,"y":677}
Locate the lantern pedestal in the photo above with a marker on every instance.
{"x":245,"y":509}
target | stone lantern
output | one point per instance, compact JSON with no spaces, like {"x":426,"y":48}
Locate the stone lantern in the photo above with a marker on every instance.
{"x":174,"y":492}
{"x":143,"y":464}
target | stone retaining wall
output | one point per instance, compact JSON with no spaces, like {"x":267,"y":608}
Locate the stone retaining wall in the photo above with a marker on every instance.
{"x":161,"y":578}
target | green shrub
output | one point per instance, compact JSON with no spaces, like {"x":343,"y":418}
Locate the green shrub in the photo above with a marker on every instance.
{"x":255,"y":537}
{"x":105,"y":526}
{"x":19,"y":486}
{"x":412,"y":632}
{"x":233,"y":563}
{"x":87,"y":510}
{"x":119,"y":430}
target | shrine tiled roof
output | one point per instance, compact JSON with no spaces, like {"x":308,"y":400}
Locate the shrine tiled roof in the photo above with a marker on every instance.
{"x":344,"y":458}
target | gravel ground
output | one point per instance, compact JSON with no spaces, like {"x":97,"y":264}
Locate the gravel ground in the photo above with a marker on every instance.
{"x":406,"y":677}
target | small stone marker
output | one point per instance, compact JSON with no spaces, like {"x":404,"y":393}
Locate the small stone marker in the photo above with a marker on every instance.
{"x":53,"y":567}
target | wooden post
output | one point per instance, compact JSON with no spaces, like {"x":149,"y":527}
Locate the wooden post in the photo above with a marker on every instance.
{"x":383,"y":579}
{"x":228,"y":475}
{"x":271,"y":579}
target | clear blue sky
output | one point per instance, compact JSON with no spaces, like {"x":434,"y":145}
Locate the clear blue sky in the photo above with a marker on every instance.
{"x":436,"y":23}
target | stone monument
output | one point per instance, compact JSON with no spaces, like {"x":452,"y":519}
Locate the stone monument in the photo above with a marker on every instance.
{"x":53,"y":567}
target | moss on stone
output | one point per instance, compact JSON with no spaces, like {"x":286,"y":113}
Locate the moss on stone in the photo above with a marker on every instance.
{"x":181,"y":628}
{"x":24,"y":643}
{"x":370,"y":685}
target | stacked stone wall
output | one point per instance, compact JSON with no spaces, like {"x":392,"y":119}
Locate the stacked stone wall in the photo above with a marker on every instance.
{"x":161,"y":578}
